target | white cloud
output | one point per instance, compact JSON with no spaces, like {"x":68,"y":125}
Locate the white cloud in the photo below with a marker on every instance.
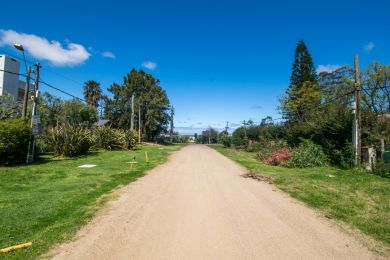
{"x":327,"y":68}
{"x":149,"y":65}
{"x":108,"y":54}
{"x":369,"y":47}
{"x":40,"y":48}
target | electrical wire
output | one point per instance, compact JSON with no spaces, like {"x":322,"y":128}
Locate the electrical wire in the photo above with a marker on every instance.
{"x":62,"y":91}
{"x":45,"y":83}
{"x":14,"y":73}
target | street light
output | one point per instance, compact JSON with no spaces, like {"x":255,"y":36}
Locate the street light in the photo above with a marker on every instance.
{"x":20,"y":48}
{"x":27,"y":87}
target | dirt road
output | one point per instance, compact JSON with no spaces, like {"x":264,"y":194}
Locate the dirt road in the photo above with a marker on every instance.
{"x":197,"y":206}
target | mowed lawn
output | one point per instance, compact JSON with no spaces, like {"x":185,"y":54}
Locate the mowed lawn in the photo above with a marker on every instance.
{"x":48,"y":201}
{"x":357,"y":198}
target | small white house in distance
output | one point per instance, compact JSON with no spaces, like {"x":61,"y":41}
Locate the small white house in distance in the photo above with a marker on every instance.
{"x":9,"y":82}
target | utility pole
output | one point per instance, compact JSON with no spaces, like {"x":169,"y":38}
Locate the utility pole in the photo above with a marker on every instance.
{"x":139,"y":123}
{"x":357,"y":145}
{"x":132,"y":113}
{"x":34,"y":119}
{"x":245,"y":129}
{"x":172,"y":114}
{"x":26,"y":92}
{"x":227,"y":127}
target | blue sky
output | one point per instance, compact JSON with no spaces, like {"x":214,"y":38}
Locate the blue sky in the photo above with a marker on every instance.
{"x":218,"y":60}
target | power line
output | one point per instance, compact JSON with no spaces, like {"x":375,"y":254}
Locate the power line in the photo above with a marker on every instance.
{"x":47,"y":84}
{"x":62,"y":91}
{"x":336,"y":98}
{"x":14,"y":73}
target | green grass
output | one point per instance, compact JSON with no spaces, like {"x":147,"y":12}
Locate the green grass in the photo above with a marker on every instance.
{"x":48,"y":201}
{"x":357,"y":198}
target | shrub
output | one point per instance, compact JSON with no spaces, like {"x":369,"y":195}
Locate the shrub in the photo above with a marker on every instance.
{"x":253,"y":147}
{"x":279,"y":157}
{"x":131,"y":139}
{"x":238,"y":142}
{"x":112,"y":139}
{"x":226,"y":140}
{"x":14,"y":137}
{"x":382,"y":169}
{"x":69,"y":141}
{"x":268,"y":147}
{"x":347,"y":157}
{"x":41,"y":146}
{"x":308,"y":154}
{"x":108,"y":138}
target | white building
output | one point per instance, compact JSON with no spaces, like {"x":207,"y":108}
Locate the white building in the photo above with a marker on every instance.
{"x":9,"y":82}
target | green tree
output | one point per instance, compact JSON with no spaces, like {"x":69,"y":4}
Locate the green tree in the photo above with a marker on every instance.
{"x":210,"y":136}
{"x":375,"y":105}
{"x":303,"y":95}
{"x":75,"y":112}
{"x":9,"y":107}
{"x":92,"y":93}
{"x":50,"y":107}
{"x":150,"y":98}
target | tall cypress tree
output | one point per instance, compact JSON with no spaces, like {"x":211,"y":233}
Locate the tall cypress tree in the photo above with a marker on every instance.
{"x":303,"y":94}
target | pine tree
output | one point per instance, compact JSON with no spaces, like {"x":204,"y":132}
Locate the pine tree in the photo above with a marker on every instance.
{"x":303,"y":95}
{"x":303,"y":68}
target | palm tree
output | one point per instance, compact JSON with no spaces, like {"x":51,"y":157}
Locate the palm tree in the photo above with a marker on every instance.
{"x":92,"y":93}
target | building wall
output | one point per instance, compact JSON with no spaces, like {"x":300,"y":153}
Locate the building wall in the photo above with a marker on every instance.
{"x":9,"y":82}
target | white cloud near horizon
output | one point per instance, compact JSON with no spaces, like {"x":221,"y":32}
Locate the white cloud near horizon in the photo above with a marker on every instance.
{"x":369,"y":47}
{"x":327,"y":68}
{"x":108,"y":54}
{"x":40,"y":48}
{"x":149,"y":65}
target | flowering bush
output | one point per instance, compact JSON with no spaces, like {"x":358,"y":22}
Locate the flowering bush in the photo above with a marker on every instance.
{"x":279,"y":157}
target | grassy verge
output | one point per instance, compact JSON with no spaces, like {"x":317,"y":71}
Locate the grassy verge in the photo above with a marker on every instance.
{"x":48,"y":201}
{"x":359,"y":199}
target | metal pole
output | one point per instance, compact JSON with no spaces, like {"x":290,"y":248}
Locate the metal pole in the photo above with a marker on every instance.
{"x":31,"y":142}
{"x":24,"y":58}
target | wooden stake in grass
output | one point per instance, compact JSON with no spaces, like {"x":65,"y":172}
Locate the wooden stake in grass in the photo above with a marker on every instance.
{"x":133,"y":162}
{"x":11,"y":248}
{"x":146,"y":157}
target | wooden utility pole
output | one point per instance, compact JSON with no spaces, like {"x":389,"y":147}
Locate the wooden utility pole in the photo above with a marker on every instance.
{"x":132,"y":113}
{"x":172,"y":114}
{"x":245,"y":129}
{"x":357,"y":118}
{"x":139,"y":123}
{"x":26,"y":92}
{"x":209,"y":134}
